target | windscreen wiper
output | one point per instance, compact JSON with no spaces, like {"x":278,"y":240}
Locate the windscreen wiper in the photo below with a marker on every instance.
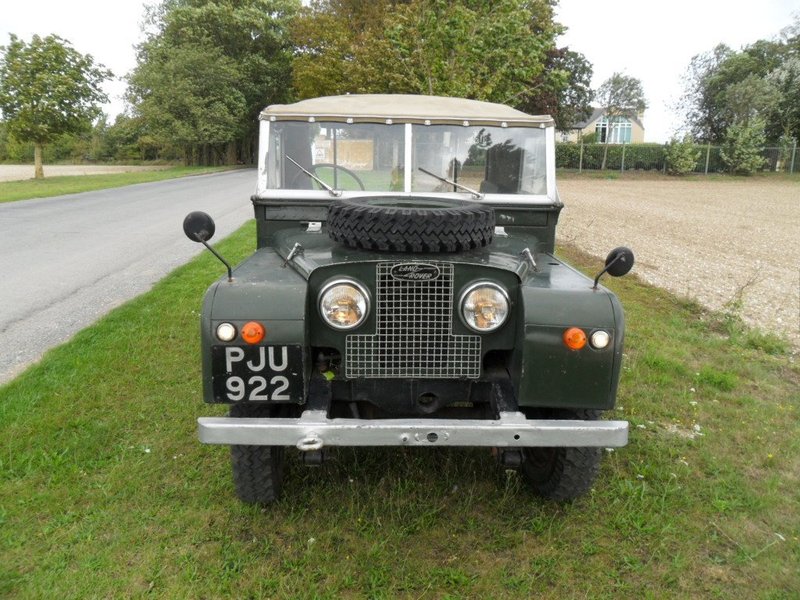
{"x":331,"y":191}
{"x":475,"y":194}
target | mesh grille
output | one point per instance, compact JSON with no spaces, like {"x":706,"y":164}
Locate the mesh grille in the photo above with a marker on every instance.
{"x":413,"y":336}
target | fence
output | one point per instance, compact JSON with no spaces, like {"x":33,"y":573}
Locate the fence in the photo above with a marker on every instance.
{"x":652,"y":157}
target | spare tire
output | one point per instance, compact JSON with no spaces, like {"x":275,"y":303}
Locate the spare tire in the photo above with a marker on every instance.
{"x":410,"y":224}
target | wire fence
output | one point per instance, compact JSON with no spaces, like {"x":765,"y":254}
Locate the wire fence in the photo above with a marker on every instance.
{"x":653,"y":157}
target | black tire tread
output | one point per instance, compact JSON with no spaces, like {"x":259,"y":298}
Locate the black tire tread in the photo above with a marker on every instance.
{"x":359,"y":224}
{"x":257,"y":470}
{"x":573,"y":470}
{"x":257,"y":473}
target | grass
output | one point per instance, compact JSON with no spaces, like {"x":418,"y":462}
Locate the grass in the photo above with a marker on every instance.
{"x":105,"y":491}
{"x":12,"y":191}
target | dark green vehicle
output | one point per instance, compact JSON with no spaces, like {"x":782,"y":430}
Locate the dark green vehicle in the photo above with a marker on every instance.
{"x":405,"y":293}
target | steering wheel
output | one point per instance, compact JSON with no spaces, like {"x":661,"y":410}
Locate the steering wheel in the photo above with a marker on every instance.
{"x":314,"y":168}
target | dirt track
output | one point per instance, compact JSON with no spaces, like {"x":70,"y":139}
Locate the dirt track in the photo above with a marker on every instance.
{"x":724,"y":243}
{"x":15,"y":172}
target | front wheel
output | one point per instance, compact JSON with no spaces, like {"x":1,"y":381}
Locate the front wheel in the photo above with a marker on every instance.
{"x":562,"y":473}
{"x":257,"y":470}
{"x":257,"y":473}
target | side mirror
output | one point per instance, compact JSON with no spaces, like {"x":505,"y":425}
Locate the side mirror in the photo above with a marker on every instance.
{"x":619,"y":262}
{"x":199,"y":226}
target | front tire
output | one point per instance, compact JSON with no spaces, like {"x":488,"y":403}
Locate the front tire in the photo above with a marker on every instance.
{"x":257,"y":473}
{"x":257,"y":470}
{"x":563,"y":473}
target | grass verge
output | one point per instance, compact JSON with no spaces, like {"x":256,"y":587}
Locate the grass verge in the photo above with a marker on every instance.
{"x":11,"y":191}
{"x":105,"y":492}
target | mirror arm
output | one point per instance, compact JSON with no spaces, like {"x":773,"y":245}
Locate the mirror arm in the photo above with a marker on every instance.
{"x":608,"y":266}
{"x":215,"y":253}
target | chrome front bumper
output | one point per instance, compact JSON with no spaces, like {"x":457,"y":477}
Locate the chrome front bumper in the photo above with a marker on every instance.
{"x":313,"y":431}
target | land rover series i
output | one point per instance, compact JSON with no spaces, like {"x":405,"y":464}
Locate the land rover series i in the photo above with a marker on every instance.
{"x":405,"y":292}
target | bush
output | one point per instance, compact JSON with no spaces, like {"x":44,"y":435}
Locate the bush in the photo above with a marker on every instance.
{"x":743,"y":147}
{"x":681,"y":156}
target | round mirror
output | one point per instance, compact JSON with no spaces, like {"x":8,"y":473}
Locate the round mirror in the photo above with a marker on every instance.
{"x":199,"y":226}
{"x":619,"y":261}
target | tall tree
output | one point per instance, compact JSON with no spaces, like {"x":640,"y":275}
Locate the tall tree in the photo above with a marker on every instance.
{"x":481,"y":49}
{"x":48,"y":89}
{"x":563,"y":90}
{"x":227,"y":59}
{"x":700,"y":102}
{"x":726,"y":87}
{"x":620,"y":96}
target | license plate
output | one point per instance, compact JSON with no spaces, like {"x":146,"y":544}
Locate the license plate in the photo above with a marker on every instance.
{"x":257,"y":373}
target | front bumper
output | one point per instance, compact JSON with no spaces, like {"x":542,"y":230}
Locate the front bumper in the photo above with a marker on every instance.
{"x":313,"y":431}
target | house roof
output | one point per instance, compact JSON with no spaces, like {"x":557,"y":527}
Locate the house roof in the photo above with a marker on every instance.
{"x":597,"y":113}
{"x":403,"y":108}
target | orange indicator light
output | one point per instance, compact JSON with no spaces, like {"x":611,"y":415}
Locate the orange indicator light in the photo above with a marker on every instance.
{"x":574,"y":338}
{"x":253,"y":332}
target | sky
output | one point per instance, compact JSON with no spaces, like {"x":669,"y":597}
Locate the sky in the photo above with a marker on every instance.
{"x":653,"y":41}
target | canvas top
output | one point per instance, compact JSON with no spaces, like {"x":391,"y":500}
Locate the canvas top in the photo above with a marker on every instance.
{"x":403,"y":108}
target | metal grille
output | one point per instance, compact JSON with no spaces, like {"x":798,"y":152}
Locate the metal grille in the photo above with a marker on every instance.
{"x":414,"y":325}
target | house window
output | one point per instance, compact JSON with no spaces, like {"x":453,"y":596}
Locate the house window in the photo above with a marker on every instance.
{"x":621,"y":130}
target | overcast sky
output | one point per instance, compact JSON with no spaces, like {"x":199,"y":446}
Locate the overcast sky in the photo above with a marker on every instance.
{"x":653,"y":41}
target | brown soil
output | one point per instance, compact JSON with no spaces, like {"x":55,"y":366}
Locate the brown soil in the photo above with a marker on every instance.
{"x":731,"y":244}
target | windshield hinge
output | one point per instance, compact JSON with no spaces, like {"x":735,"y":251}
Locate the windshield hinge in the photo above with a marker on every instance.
{"x":297,"y":250}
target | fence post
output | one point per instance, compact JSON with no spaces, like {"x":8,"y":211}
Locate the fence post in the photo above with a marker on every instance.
{"x":622,"y":166}
{"x":664,"y":157}
{"x":708,"y":154}
{"x":580,"y":159}
{"x":794,"y":153}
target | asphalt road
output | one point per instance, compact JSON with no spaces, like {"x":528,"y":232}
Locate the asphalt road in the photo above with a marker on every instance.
{"x":68,"y":260}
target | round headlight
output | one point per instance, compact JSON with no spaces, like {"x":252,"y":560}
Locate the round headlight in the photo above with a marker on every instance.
{"x":484,"y":307}
{"x":344,"y":304}
{"x":226,"y":332}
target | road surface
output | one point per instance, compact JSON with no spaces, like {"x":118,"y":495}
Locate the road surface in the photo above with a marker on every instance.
{"x":68,"y":260}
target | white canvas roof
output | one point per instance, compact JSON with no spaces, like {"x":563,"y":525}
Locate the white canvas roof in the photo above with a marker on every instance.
{"x":403,"y":108}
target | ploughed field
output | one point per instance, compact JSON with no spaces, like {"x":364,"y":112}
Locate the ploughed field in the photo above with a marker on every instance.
{"x":731,"y":244}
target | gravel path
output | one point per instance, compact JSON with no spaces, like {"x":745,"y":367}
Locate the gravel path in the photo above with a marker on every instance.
{"x":15,"y":172}
{"x":724,"y":243}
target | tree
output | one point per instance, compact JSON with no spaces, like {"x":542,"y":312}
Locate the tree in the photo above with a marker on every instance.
{"x":564,"y":90}
{"x":48,"y":89}
{"x":726,"y":87}
{"x":785,"y":118}
{"x":206,"y":70}
{"x":682,"y":155}
{"x":188,"y":97}
{"x":480,"y":49}
{"x":699,"y":103}
{"x":743,"y":145}
{"x":620,"y":96}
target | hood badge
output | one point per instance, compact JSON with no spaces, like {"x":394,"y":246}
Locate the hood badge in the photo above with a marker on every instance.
{"x":415,"y":272}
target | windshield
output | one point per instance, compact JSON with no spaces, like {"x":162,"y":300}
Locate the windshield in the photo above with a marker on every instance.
{"x":492,"y":160}
{"x":308,"y":156}
{"x":338,"y":157}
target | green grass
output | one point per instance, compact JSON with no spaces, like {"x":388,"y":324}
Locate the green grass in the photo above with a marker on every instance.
{"x":11,"y":191}
{"x":105,"y":491}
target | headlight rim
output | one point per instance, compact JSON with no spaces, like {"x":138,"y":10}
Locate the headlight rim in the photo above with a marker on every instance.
{"x":471,"y":288}
{"x":361,"y":288}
